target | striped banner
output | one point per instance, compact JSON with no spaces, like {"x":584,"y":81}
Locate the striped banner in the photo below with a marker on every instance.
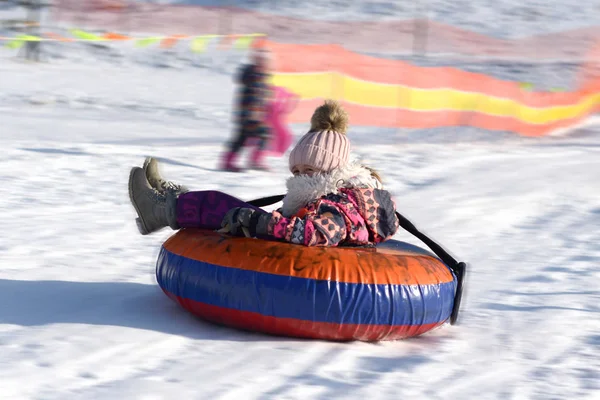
{"x":197,"y":43}
{"x":391,"y":93}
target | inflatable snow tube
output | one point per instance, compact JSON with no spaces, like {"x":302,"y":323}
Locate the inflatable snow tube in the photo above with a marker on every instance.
{"x":393,"y":291}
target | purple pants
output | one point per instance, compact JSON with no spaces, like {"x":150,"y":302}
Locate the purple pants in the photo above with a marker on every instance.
{"x":206,"y":209}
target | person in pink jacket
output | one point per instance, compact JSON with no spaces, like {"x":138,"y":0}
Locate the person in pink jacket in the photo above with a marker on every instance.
{"x":331,"y":201}
{"x":283,"y":103}
{"x":281,"y":136}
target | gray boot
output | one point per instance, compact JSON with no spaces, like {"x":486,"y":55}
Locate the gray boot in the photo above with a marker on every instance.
{"x":155,"y":210}
{"x":157,"y":182}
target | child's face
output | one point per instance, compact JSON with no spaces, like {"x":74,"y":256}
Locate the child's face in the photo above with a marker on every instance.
{"x":304,"y":170}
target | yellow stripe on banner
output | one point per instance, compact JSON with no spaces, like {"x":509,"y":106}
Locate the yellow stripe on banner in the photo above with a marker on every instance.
{"x":78,"y":33}
{"x":244,"y":42}
{"x":313,"y":85}
{"x":145,"y":42}
{"x":335,"y":85}
{"x":14,"y":44}
{"x":18,"y":41}
{"x":199,"y":43}
{"x":28,"y":38}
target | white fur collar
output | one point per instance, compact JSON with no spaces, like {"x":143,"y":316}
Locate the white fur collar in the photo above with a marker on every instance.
{"x":304,"y":189}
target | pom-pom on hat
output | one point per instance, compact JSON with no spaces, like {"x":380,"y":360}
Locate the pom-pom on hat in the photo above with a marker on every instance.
{"x":325,"y":147}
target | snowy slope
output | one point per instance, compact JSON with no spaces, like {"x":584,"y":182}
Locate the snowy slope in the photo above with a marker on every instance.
{"x":81,"y":316}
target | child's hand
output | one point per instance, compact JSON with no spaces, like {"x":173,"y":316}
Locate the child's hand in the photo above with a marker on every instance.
{"x":237,"y":221}
{"x":241,"y":221}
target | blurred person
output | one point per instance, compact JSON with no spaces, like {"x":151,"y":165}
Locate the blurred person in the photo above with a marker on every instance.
{"x":282,"y":104}
{"x":250,"y":119}
{"x":331,"y":201}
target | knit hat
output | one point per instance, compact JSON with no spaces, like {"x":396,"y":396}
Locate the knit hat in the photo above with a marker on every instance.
{"x":325,"y":147}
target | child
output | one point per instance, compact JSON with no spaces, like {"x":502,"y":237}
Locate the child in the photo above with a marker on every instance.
{"x":252,"y":109}
{"x":330,"y":201}
{"x":283,"y":103}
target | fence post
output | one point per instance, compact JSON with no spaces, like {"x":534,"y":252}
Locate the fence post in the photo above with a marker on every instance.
{"x":421,"y":30}
{"x":32,"y":48}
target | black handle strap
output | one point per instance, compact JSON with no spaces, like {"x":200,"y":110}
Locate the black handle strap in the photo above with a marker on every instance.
{"x":459,"y":268}
{"x":266,"y":201}
{"x":436,"y":248}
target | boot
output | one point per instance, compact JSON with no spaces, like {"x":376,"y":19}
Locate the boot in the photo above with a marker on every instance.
{"x":157,"y":182}
{"x":256,"y":160}
{"x":155,"y":210}
{"x":228,"y":162}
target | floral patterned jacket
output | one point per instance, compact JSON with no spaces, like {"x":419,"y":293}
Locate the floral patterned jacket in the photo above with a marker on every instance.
{"x":350,"y":209}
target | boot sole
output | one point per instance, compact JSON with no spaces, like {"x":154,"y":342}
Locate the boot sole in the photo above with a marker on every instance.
{"x":139,"y":221}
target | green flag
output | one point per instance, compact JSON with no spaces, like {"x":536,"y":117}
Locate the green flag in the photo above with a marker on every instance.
{"x":14,"y":44}
{"x":199,"y":43}
{"x":78,"y":33}
{"x":146,"y":41}
{"x":244,"y":42}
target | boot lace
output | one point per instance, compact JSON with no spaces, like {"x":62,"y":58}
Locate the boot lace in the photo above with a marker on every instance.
{"x":156,"y":196}
{"x":168,"y":186}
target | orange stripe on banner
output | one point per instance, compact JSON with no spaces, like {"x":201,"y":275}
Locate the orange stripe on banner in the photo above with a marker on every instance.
{"x":350,"y":265}
{"x":171,"y":40}
{"x":116,"y":36}
{"x":259,"y":43}
{"x":398,"y":118}
{"x":227,"y":41}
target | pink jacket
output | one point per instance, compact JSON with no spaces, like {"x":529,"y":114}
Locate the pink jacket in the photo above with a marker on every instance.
{"x":277,"y":112}
{"x":362,"y":216}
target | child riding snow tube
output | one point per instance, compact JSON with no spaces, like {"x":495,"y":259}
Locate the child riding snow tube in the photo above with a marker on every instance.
{"x":331,"y":202}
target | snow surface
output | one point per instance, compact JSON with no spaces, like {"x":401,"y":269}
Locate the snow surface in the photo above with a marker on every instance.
{"x":81,"y":315}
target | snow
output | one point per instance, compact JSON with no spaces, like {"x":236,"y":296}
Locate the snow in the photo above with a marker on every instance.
{"x":81,"y":315}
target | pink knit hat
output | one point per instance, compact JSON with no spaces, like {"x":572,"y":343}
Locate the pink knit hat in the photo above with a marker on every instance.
{"x":326,"y":146}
